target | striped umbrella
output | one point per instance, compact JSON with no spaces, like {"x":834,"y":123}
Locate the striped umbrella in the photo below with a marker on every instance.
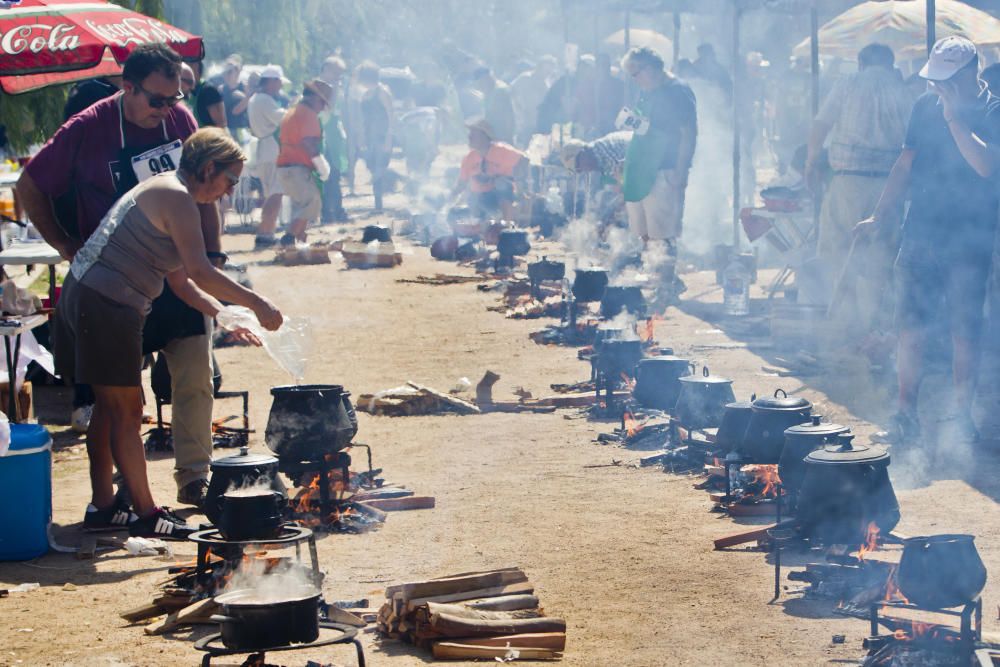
{"x":48,"y":42}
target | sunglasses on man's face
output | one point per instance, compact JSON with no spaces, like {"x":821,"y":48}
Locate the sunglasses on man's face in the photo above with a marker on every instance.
{"x":160,"y":101}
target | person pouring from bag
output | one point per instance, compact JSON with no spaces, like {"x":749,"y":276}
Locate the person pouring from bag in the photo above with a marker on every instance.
{"x":152,"y":233}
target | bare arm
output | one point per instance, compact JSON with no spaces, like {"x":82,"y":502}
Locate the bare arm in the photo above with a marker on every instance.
{"x":241,"y":106}
{"x":38,"y":205}
{"x":190,"y":294}
{"x":211,"y":226}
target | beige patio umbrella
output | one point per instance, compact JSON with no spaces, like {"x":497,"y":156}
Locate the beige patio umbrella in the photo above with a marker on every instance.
{"x":642,"y":37}
{"x":901,"y":25}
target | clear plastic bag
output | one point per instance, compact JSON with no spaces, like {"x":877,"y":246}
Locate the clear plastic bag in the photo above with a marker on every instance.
{"x":288,"y":346}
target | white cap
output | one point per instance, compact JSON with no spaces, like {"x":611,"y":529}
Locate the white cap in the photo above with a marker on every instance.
{"x":947,"y":57}
{"x":272,"y":72}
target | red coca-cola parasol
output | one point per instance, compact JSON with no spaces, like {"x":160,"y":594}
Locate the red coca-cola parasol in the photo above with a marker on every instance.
{"x":46,"y":42}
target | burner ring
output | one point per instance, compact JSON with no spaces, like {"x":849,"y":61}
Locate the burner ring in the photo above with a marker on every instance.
{"x":339,"y":634}
{"x":290,"y":534}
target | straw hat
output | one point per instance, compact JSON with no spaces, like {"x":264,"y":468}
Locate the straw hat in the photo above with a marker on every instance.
{"x":569,"y":152}
{"x":483,"y":126}
{"x":321,"y":88}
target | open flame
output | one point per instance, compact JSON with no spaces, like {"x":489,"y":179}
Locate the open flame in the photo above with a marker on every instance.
{"x":892,"y":592}
{"x":647,"y":330}
{"x":765,"y":476}
{"x":871,"y":541}
{"x":632,"y":425}
{"x":628,"y":382}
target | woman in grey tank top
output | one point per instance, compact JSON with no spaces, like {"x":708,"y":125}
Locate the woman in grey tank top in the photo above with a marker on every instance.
{"x":151,"y":233}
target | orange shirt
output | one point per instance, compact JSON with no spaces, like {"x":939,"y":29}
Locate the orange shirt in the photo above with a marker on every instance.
{"x":299,"y":123}
{"x":500,"y":160}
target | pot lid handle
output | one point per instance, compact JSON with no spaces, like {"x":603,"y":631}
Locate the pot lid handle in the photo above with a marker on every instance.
{"x":245,"y":450}
{"x":784,"y":394}
{"x":845,"y":442}
{"x":753,"y":397}
{"x":816,"y":419}
{"x":704,"y":371}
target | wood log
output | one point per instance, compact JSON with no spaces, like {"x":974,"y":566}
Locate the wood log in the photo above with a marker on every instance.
{"x":504,"y":603}
{"x":524,"y":587}
{"x":344,"y":617}
{"x":469,"y":574}
{"x":382,"y":492}
{"x":484,"y":388}
{"x":461,"y":611}
{"x":146,"y":611}
{"x":743,"y":538}
{"x":193,"y":614}
{"x":554,"y":641}
{"x":165,"y":624}
{"x":456,"y":584}
{"x":376,"y":513}
{"x":456,"y":626}
{"x":463,"y":407}
{"x":453,"y":651}
{"x":400,"y":504}
{"x":574,"y":400}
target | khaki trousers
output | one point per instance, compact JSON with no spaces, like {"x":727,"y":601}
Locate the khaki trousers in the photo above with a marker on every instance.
{"x":190,"y":363}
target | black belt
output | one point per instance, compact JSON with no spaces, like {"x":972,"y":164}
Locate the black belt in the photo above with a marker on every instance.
{"x":858,"y":172}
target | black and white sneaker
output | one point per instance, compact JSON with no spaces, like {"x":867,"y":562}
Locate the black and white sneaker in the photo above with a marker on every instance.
{"x":117,"y":517}
{"x":162,"y":523}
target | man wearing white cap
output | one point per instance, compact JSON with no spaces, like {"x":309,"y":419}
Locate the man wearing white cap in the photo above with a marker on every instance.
{"x":265,"y":114}
{"x":947,"y":237}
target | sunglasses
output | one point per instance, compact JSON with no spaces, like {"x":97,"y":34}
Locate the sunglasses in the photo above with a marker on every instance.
{"x":231,"y":177}
{"x":160,"y":101}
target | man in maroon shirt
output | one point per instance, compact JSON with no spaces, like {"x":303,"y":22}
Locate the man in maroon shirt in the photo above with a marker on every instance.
{"x":100,"y":154}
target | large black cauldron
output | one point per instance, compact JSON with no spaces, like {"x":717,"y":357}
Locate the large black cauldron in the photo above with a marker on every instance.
{"x":240,"y":471}
{"x":622,"y":297}
{"x":941,"y":571}
{"x":310,"y":420}
{"x":250,"y":621}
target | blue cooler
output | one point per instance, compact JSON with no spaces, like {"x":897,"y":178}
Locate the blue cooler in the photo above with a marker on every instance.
{"x":25,"y":493}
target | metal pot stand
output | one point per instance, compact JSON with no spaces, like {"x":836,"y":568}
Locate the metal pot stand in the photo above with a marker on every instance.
{"x":292,"y":534}
{"x":329,"y":635}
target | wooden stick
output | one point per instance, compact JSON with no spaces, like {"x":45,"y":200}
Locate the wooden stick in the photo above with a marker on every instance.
{"x":463,"y":407}
{"x":497,"y":591}
{"x":455,"y":626}
{"x":376,"y":513}
{"x":452,"y":651}
{"x":743,"y":538}
{"x":400,"y":504}
{"x":456,"y":584}
{"x":504,"y":603}
{"x":460,"y":611}
{"x":554,"y":641}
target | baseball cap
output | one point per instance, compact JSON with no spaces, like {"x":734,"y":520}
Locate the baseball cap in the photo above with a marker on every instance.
{"x":949,"y":55}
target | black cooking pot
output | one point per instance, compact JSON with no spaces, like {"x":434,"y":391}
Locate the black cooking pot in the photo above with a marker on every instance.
{"x":251,"y":621}
{"x":702,"y":400}
{"x":622,"y":297}
{"x":941,"y":571}
{"x":545,"y":269}
{"x":589,"y":284}
{"x":769,"y":417}
{"x":800,"y":441}
{"x":378,"y":233}
{"x":251,"y":514}
{"x":238,"y":471}
{"x":734,"y":424}
{"x":310,"y":420}
{"x":657,"y":381}
{"x":846,"y":488}
{"x":617,"y":356}
{"x":513,"y":242}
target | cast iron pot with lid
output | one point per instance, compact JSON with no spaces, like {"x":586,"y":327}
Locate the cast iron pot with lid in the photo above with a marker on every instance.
{"x":378,"y":233}
{"x":243,"y":470}
{"x":657,"y":381}
{"x":769,"y":417}
{"x":310,"y":420}
{"x":513,"y":242}
{"x":589,"y":284}
{"x":800,"y":441}
{"x":702,"y":400}
{"x":941,"y":571}
{"x":846,"y":487}
{"x":250,"y":620}
{"x":251,"y":514}
{"x":546,"y":269}
{"x":735,"y":418}
{"x":617,"y":356}
{"x":617,"y":298}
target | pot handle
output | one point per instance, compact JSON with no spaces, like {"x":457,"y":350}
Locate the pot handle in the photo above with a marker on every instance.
{"x":784,"y":394}
{"x":704,"y":371}
{"x":219,"y":618}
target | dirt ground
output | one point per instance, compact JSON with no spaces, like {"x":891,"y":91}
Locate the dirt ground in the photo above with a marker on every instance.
{"x":623,"y":554}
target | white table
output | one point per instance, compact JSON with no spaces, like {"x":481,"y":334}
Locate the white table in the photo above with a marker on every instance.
{"x":14,"y":330}
{"x":24,"y":253}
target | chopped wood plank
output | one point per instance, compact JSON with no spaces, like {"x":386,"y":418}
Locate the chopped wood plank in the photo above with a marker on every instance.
{"x":456,"y":584}
{"x":456,"y":626}
{"x":504,"y":603}
{"x":462,"y":406}
{"x":743,"y":538}
{"x":461,"y":611}
{"x":146,"y":611}
{"x":453,"y":651}
{"x":573,"y":400}
{"x":400,"y":504}
{"x":376,"y":513}
{"x":338,"y":615}
{"x":554,"y":641}
{"x":165,"y":624}
{"x":497,"y":591}
{"x":382,"y":492}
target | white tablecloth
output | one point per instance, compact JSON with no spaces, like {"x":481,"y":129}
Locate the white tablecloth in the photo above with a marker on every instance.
{"x":30,"y":252}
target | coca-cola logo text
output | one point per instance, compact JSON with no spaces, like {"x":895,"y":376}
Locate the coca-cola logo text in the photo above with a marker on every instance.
{"x":136,"y":30}
{"x":36,"y":38}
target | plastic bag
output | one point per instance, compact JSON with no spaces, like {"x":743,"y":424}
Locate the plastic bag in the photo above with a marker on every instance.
{"x":288,"y":346}
{"x":17,"y":300}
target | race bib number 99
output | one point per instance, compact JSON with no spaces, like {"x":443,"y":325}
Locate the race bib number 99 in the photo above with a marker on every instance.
{"x":157,"y":160}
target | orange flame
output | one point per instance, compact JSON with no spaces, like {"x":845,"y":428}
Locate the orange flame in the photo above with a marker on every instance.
{"x":892,"y":592}
{"x":305,"y":497}
{"x":632,"y":425}
{"x":765,"y":475}
{"x":871,"y":541}
{"x":629,"y":382}
{"x":647,"y":330}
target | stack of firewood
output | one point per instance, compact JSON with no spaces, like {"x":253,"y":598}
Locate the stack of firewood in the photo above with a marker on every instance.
{"x":492,"y":614}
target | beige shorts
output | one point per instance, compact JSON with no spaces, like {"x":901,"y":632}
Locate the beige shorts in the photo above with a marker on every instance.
{"x":267,"y":173}
{"x":298,"y":184}
{"x":658,"y":216}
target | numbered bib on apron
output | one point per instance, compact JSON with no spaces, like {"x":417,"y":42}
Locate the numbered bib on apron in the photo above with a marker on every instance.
{"x":157,"y":160}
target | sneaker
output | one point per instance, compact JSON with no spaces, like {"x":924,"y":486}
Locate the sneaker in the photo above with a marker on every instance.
{"x":903,"y":429}
{"x":117,"y":517}
{"x":193,"y":493}
{"x":80,"y":420}
{"x":162,"y":523}
{"x":264,"y":242}
{"x":287,"y":240}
